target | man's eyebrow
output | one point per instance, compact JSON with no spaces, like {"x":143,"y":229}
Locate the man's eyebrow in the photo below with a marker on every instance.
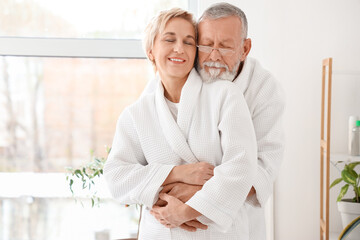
{"x":228,"y":41}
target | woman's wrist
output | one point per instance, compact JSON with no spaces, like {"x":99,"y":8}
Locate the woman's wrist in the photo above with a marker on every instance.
{"x":188,"y":213}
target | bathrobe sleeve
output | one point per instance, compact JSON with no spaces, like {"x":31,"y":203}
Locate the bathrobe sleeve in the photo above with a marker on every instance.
{"x":130,"y":178}
{"x":267,"y":107}
{"x":223,"y":195}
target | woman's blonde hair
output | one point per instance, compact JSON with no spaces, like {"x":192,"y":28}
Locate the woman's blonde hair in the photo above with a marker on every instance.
{"x":158,"y":23}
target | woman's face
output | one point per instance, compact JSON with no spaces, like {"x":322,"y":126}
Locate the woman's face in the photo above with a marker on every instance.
{"x":175,"y":49}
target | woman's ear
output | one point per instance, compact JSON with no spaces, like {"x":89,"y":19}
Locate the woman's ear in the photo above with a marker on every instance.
{"x":151,"y":57}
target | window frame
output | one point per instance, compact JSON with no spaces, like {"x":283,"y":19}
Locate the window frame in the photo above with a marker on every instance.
{"x":77,"y":47}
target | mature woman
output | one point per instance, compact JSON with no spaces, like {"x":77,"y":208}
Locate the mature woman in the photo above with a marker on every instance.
{"x":177,"y":134}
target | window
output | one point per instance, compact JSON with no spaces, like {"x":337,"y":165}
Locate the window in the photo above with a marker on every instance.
{"x":64,"y":80}
{"x":81,"y":18}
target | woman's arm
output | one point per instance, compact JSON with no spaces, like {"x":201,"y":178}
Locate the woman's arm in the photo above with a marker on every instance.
{"x":131,"y":179}
{"x":195,"y":173}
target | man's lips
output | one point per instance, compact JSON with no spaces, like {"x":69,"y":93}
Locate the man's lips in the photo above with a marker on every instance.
{"x":215,"y":67}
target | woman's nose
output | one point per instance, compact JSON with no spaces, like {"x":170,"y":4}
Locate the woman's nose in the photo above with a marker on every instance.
{"x":179,"y":48}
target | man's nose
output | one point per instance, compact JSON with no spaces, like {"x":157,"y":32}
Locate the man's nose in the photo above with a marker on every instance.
{"x":215,"y":55}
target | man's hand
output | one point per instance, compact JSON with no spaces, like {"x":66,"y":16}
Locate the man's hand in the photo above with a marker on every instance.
{"x":176,"y":213}
{"x":195,"y":173}
{"x":181,"y":191}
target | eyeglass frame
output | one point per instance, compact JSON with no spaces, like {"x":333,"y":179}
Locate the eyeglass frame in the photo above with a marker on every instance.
{"x":221,"y":50}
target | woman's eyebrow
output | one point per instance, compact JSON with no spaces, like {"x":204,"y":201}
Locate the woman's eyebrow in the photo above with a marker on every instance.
{"x":169,"y":33}
{"x":190,"y":36}
{"x":173,"y":34}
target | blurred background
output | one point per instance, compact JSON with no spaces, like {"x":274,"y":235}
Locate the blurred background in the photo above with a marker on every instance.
{"x":68,"y":69}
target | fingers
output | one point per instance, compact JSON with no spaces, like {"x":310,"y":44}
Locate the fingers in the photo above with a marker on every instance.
{"x":156,"y":214}
{"x":167,"y":188}
{"x":187,"y":228}
{"x":160,"y":219}
{"x":160,"y":203}
{"x":165,"y":197}
{"x":168,"y":225}
{"x":196,"y":224}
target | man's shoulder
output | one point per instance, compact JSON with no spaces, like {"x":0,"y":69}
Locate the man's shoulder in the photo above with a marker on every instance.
{"x":253,"y":70}
{"x":255,"y":77}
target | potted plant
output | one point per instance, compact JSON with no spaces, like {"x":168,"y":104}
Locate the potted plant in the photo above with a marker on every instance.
{"x":85,"y":176}
{"x":349,"y":208}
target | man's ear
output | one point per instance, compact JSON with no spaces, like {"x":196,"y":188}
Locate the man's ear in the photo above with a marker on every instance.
{"x":246,"y":48}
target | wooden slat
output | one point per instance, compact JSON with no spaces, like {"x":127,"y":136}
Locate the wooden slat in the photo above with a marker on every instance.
{"x":322,"y":224}
{"x":327,"y":61}
{"x":323,"y":144}
{"x":325,"y":148}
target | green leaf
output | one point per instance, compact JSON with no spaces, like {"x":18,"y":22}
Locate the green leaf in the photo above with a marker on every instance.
{"x":343,"y":191}
{"x":92,"y":202}
{"x":336,"y":181}
{"x":84,"y":171}
{"x":353,"y":165}
{"x":78,"y":172}
{"x":349,"y":176}
{"x":352,"y":172}
{"x":71,"y":183}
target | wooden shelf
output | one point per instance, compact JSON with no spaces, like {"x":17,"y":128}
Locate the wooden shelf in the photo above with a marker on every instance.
{"x":337,"y":157}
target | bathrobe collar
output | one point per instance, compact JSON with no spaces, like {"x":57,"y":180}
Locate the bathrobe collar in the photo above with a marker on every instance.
{"x":176,"y":133}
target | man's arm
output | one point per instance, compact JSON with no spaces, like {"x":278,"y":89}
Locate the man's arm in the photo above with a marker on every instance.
{"x":267,"y":112}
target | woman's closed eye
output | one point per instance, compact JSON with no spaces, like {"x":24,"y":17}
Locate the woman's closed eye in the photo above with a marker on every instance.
{"x":169,"y":40}
{"x":191,"y":43}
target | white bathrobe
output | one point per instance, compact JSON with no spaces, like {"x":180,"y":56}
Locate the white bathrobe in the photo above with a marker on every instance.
{"x":265,"y":99}
{"x":213,"y":125}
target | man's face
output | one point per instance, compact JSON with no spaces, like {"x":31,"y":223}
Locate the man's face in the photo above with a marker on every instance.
{"x":222,"y":33}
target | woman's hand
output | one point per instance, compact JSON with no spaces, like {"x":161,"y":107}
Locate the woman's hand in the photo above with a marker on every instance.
{"x":181,"y":191}
{"x":176,"y":213}
{"x":195,"y":173}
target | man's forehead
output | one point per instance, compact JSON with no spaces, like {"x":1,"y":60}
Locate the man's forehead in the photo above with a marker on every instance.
{"x":222,"y":26}
{"x":220,"y":32}
{"x":229,"y":20}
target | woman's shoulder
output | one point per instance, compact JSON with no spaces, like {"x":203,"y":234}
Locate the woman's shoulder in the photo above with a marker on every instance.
{"x":141,"y":106}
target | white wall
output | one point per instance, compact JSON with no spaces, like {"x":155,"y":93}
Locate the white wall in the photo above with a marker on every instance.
{"x":291,"y":38}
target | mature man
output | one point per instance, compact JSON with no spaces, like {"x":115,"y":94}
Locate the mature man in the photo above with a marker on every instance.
{"x":223,"y":48}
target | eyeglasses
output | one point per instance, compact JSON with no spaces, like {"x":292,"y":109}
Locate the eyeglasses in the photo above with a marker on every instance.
{"x":222,"y":51}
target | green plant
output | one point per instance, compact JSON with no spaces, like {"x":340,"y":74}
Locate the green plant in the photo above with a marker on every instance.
{"x":85,"y":175}
{"x":351,"y":178}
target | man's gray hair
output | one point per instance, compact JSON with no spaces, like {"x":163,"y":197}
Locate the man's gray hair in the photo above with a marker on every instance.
{"x":222,"y":10}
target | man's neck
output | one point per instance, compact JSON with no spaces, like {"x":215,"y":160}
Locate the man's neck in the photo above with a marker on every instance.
{"x":239,"y":71}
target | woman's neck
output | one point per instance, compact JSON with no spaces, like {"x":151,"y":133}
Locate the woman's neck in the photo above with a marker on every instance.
{"x":172,"y":88}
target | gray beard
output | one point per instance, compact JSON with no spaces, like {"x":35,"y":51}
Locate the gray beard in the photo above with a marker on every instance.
{"x":214,"y":75}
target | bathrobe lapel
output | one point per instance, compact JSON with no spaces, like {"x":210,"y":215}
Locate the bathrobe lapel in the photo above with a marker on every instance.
{"x":176,"y":133}
{"x":188,"y":102}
